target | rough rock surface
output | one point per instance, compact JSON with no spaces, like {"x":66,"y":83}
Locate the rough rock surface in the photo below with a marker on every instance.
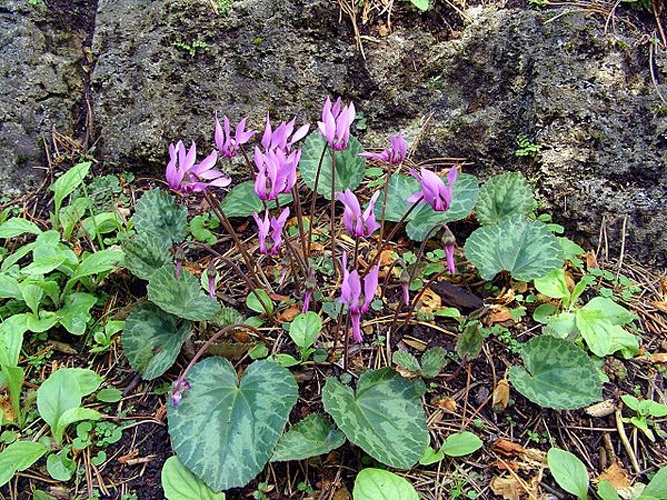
{"x":556,"y":76}
{"x":41,"y":85}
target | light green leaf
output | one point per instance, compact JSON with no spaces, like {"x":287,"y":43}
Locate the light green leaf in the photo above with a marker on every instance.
{"x":49,"y":254}
{"x":569,"y":472}
{"x":349,"y":170}
{"x":553,"y":284}
{"x":241,"y":201}
{"x":305,"y":328}
{"x":312,"y":436}
{"x":527,"y":249}
{"x":60,"y":466}
{"x":152,"y":340}
{"x":182,"y":297}
{"x":257,"y":299}
{"x":17,"y":457}
{"x":158,"y":215}
{"x":557,"y":374}
{"x":75,"y":313}
{"x":224,"y":430}
{"x":70,"y":416}
{"x":657,"y":487}
{"x":109,"y":395}
{"x":88,"y":380}
{"x":97,"y":263}
{"x":104,"y":223}
{"x":433,"y":361}
{"x":378,"y":484}
{"x":431,"y":456}
{"x":179,"y":483}
{"x":563,"y":326}
{"x":610,"y":310}
{"x":145,"y":255}
{"x":17,"y":226}
{"x":384,"y":417}
{"x":606,"y":491}
{"x":461,"y":444}
{"x":68,"y":182}
{"x":9,"y":287}
{"x":400,"y":188}
{"x":464,"y":196}
{"x":504,"y":195}
{"x":11,"y":339}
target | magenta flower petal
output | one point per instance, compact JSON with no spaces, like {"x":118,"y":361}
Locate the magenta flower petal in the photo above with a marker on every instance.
{"x":336,"y":123}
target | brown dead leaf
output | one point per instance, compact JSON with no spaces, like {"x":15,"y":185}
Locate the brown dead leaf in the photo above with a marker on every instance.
{"x":501,"y":396}
{"x":616,"y":475}
{"x":387,"y":257}
{"x":660,"y":305}
{"x":601,"y":409}
{"x":500,"y":314}
{"x":508,"y":448}
{"x":430,"y":301}
{"x":62,"y":347}
{"x":316,"y":246}
{"x":507,"y":487}
{"x":129,"y":456}
{"x":658,"y":357}
{"x":405,"y":373}
{"x":663,"y":286}
{"x":447,"y":403}
{"x":7,"y":409}
{"x":420,"y":345}
{"x":278,"y":297}
{"x":591,"y":260}
{"x":290,"y":313}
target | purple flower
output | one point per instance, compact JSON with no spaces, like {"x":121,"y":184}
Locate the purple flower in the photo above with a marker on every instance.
{"x":280,"y":138}
{"x":227,"y":145}
{"x":356,"y":223}
{"x":449,"y":242}
{"x":276,"y":172}
{"x":185,"y":176}
{"x":350,"y":294}
{"x":275,"y":226}
{"x":179,"y":387}
{"x":335,"y":124}
{"x":433,"y":189}
{"x":395,"y":154}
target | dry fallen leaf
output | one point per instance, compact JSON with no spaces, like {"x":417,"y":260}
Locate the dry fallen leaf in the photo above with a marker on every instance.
{"x":660,"y":305}
{"x":508,"y":448}
{"x":500,"y":314}
{"x":447,"y":403}
{"x":591,"y":260}
{"x":507,"y":487}
{"x":663,"y":286}
{"x":501,"y":396}
{"x":290,"y":313}
{"x":430,"y":301}
{"x":420,"y":345}
{"x":7,"y":410}
{"x":601,"y":409}
{"x":658,"y":357}
{"x":616,"y":475}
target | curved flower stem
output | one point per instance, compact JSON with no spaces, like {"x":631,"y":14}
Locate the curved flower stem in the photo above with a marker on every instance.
{"x":332,"y":212}
{"x":215,"y":206}
{"x":299,"y":219}
{"x":314,"y":196}
{"x":294,"y":255}
{"x":385,"y":194}
{"x":238,"y":271}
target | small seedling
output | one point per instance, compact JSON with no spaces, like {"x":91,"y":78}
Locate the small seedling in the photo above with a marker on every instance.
{"x":646,"y":410}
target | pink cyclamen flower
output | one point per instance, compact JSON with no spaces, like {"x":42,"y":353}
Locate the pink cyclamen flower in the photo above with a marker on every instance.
{"x":336,"y":123}
{"x":282,"y":137}
{"x":434,"y":191}
{"x":276,"y":172}
{"x":275,"y":227}
{"x":185,"y":176}
{"x":179,"y":387}
{"x":356,"y":223}
{"x":449,"y":242}
{"x":395,"y":154}
{"x":350,"y":294}
{"x":227,"y":145}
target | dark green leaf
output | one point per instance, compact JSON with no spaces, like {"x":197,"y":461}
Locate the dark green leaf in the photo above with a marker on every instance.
{"x":312,"y":436}
{"x":182,"y":296}
{"x":504,"y":195}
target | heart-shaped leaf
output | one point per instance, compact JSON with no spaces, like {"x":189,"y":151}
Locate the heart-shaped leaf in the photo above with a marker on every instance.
{"x":182,"y":296}
{"x":158,"y":214}
{"x":504,"y":195}
{"x":224,"y":430}
{"x":241,"y":201}
{"x":145,"y":255}
{"x":152,"y":340}
{"x":313,"y":436}
{"x":527,"y":249}
{"x":557,"y":374}
{"x":378,"y":484}
{"x":349,"y":171}
{"x":384,"y":417}
{"x":179,"y":483}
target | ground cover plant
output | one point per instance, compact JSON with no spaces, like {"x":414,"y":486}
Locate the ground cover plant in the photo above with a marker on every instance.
{"x":343,"y":310}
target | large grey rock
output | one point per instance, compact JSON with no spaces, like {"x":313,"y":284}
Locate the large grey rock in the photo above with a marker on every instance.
{"x":585,"y":95}
{"x":266,"y":55}
{"x":41,"y":86}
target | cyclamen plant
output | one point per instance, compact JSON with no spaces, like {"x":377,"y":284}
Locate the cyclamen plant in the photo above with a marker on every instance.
{"x":278,"y":163}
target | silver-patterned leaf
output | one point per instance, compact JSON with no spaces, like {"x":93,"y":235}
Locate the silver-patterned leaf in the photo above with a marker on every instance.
{"x":182,"y":296}
{"x":557,"y":374}
{"x":314,"y":435}
{"x":527,"y":249}
{"x":158,"y":215}
{"x":384,"y":417}
{"x":224,"y":430}
{"x":504,"y":195}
